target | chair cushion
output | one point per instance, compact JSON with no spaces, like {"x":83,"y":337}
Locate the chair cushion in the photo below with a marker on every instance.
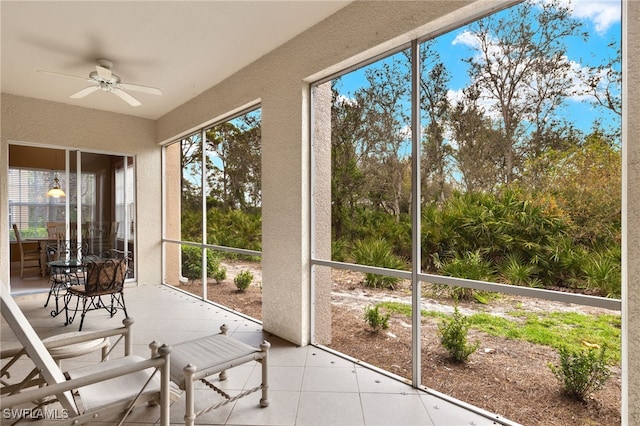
{"x":212,"y":353}
{"x":76,"y":349}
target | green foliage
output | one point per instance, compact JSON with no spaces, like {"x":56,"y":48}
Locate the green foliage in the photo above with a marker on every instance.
{"x":220,"y":275}
{"x":375,"y":319}
{"x":581,"y":372}
{"x":234,"y":228}
{"x":192,"y":263}
{"x":339,"y":250}
{"x":243,"y":280}
{"x":517,"y":272}
{"x":377,"y":252}
{"x":584,"y":182}
{"x":604,"y":272}
{"x":453,"y":336}
{"x":509,"y":238}
{"x":469,"y":265}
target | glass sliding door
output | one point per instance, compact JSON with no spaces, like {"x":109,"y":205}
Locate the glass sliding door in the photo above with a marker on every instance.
{"x":97,"y":209}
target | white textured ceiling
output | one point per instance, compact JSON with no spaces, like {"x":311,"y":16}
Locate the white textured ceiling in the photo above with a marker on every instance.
{"x":181,"y":47}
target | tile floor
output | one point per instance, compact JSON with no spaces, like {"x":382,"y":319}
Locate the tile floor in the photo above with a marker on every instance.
{"x":307,"y":385}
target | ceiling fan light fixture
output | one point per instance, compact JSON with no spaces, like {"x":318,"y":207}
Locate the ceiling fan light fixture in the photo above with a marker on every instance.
{"x":104,"y":79}
{"x":56,"y":191}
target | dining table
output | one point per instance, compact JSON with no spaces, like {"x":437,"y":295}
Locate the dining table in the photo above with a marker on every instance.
{"x":73,"y":271}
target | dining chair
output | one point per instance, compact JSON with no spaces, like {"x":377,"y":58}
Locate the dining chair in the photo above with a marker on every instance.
{"x":62,"y":277}
{"x":26,"y":254}
{"x":105,"y":276}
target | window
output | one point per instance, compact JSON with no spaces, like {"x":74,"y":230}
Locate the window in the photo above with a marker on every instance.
{"x":213,"y":205}
{"x":31,"y":209}
{"x":465,"y":164}
{"x":99,"y":208}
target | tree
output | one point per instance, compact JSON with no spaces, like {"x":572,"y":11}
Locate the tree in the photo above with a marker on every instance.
{"x":603,"y":83}
{"x":233,"y":163}
{"x":386,"y":142}
{"x":585,"y":182}
{"x":522,"y":70}
{"x":434,"y":80}
{"x":347,"y":181}
{"x":479,"y":145}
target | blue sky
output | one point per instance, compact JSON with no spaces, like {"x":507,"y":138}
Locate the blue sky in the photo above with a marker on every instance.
{"x":601,"y":19}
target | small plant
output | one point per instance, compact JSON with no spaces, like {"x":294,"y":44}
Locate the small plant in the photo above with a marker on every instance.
{"x":375,"y":319}
{"x":453,"y":336}
{"x":220,"y":275}
{"x":243,"y":280}
{"x":581,"y":372}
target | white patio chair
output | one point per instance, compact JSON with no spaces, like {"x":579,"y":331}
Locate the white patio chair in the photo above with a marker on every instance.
{"x":104,"y":390}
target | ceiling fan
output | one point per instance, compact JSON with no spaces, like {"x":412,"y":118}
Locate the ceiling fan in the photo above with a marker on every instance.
{"x":103,"y":79}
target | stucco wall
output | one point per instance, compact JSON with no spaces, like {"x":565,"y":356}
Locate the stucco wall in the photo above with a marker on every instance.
{"x":49,"y":123}
{"x":631,"y":219}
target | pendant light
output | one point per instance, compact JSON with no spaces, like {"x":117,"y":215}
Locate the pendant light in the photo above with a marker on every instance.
{"x":56,"y":191}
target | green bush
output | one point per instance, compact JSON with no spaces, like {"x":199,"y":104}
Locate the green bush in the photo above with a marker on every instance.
{"x":220,"y":275}
{"x":470,"y":265}
{"x":515,"y":271}
{"x":581,"y":372}
{"x":234,"y":228}
{"x":339,"y":250}
{"x":604,"y":272}
{"x":453,"y":336}
{"x":243,"y":280}
{"x":192,"y":263}
{"x":377,"y":252}
{"x":375,"y":319}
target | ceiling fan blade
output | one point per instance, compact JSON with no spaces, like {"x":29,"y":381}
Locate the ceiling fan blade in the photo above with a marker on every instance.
{"x":85,"y":92}
{"x":139,"y":88}
{"x":64,"y":75}
{"x":126,"y":97}
{"x":104,"y":73}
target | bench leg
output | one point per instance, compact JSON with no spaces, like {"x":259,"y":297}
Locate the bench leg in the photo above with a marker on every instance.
{"x":264,"y":347}
{"x":189,"y":406}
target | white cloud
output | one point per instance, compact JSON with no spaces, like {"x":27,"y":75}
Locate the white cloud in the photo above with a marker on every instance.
{"x":345,"y":100}
{"x":603,"y":13}
{"x":466,"y":38}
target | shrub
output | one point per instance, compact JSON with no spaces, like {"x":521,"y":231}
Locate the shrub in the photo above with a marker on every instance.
{"x":453,"y":336}
{"x":469,"y":265}
{"x":375,"y":319}
{"x":192,"y":263}
{"x":377,"y":252}
{"x":220,"y":275}
{"x":581,"y":372}
{"x":515,"y":271}
{"x":243,"y":280}
{"x":603,"y":272}
{"x":339,"y":248}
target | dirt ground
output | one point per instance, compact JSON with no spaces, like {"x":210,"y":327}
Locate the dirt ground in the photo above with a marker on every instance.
{"x":504,"y":376}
